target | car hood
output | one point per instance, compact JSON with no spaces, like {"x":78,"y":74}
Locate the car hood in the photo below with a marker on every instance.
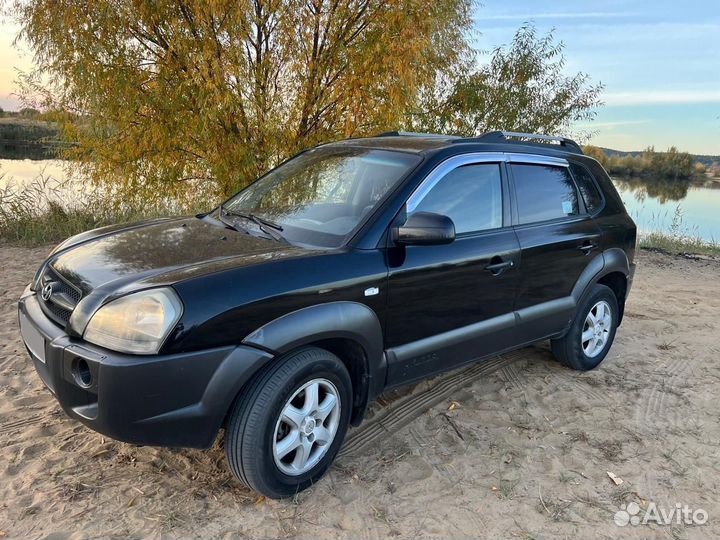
{"x":159,"y":252}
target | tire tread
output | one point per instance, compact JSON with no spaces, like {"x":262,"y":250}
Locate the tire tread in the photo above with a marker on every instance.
{"x":242,"y":427}
{"x":567,"y":349}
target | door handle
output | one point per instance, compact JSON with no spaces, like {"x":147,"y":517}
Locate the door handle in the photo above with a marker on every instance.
{"x":587,"y":247}
{"x":499,"y":267}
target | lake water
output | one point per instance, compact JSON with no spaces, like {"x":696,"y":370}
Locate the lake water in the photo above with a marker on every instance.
{"x":691,"y":208}
{"x":22,"y":171}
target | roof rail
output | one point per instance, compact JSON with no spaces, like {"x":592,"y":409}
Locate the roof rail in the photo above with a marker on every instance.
{"x":534,"y":139}
{"x":414,"y":134}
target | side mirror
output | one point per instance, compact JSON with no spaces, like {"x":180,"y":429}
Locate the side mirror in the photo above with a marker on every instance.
{"x":425,"y":229}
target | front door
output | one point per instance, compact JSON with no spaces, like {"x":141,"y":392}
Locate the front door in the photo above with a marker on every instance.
{"x":449,"y":304}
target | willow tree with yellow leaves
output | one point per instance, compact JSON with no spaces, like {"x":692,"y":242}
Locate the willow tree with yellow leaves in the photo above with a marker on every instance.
{"x":162,"y":93}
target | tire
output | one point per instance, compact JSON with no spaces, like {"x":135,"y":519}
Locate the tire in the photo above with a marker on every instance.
{"x":255,"y":427}
{"x":571,"y":350}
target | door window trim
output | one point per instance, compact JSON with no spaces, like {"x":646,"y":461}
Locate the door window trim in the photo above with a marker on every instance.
{"x":475,"y":158}
{"x":582,"y":210}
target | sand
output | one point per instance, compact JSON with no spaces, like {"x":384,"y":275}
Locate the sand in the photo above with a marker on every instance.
{"x":516,"y":447}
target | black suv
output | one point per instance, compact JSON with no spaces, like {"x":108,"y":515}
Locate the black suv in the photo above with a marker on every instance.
{"x":352,"y":268}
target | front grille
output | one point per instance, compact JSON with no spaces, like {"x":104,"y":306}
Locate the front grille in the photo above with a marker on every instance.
{"x":60,"y":315}
{"x":59,"y":306}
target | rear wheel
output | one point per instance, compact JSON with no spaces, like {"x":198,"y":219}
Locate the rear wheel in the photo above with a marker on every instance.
{"x":285,"y":429}
{"x":592,"y":332}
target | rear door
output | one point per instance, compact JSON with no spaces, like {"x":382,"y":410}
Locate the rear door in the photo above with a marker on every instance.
{"x":558,"y":239}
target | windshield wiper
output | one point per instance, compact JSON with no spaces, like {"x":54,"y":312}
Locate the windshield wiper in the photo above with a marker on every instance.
{"x":226,"y":223}
{"x":257,"y":219}
{"x":267,"y":226}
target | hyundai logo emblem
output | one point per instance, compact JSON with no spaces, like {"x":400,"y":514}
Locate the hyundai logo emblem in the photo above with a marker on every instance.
{"x":47,"y":292}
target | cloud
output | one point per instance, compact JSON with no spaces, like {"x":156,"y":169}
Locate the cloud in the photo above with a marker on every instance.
{"x":538,"y":16}
{"x":611,"y":125}
{"x":661,"y":97}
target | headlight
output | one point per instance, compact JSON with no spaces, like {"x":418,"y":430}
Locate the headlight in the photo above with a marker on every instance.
{"x":137,"y":323}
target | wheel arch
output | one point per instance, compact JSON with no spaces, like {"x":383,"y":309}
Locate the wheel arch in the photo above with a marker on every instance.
{"x":611,"y":268}
{"x":350,"y":330}
{"x":617,"y":282}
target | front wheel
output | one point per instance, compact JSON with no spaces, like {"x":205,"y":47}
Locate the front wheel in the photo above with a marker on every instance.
{"x":285,"y":429}
{"x":592,"y":332}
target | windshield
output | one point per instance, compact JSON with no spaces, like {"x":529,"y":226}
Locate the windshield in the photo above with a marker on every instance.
{"x":320,"y":196}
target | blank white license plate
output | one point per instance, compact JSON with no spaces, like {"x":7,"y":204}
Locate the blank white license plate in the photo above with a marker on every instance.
{"x":33,"y":339}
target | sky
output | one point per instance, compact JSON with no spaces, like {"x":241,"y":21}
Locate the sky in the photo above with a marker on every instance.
{"x":659,"y":62}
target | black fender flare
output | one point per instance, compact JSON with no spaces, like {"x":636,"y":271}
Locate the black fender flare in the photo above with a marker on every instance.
{"x":610,"y":260}
{"x":343,"y":319}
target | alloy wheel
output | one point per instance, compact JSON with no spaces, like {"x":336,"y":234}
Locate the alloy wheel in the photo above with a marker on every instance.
{"x":596,"y":329}
{"x":307,"y":426}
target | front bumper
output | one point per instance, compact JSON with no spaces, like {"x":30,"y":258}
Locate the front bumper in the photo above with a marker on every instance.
{"x":167,"y":400}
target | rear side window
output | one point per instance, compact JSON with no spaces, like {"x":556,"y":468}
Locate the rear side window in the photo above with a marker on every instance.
{"x":544,"y":192}
{"x":470,"y":195}
{"x":588,"y":189}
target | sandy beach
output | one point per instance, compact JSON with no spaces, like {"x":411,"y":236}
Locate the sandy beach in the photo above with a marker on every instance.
{"x":515,"y":447}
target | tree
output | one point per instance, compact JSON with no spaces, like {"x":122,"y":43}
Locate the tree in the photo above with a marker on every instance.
{"x":596,"y":153}
{"x":28,"y":112}
{"x":673,"y":164}
{"x":522,"y":88}
{"x":167,"y":93}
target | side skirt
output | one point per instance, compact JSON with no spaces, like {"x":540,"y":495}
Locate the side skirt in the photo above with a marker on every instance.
{"x":429,"y":356}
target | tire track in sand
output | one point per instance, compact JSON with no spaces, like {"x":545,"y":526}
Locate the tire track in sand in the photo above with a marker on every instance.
{"x":23,"y":422}
{"x":655,"y":404}
{"x":403,"y":411}
{"x":509,"y":374}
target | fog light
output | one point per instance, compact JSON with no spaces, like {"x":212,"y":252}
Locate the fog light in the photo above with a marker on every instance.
{"x":82,"y":373}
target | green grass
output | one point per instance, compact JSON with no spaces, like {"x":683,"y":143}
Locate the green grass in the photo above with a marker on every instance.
{"x":679,"y":239}
{"x":677,"y":244}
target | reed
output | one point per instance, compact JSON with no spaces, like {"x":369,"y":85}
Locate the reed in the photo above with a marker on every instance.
{"x":48,"y":210}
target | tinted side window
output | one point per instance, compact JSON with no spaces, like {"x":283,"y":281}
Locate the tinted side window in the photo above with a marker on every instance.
{"x":544,"y":192}
{"x":470,"y":195}
{"x":588,"y":190}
